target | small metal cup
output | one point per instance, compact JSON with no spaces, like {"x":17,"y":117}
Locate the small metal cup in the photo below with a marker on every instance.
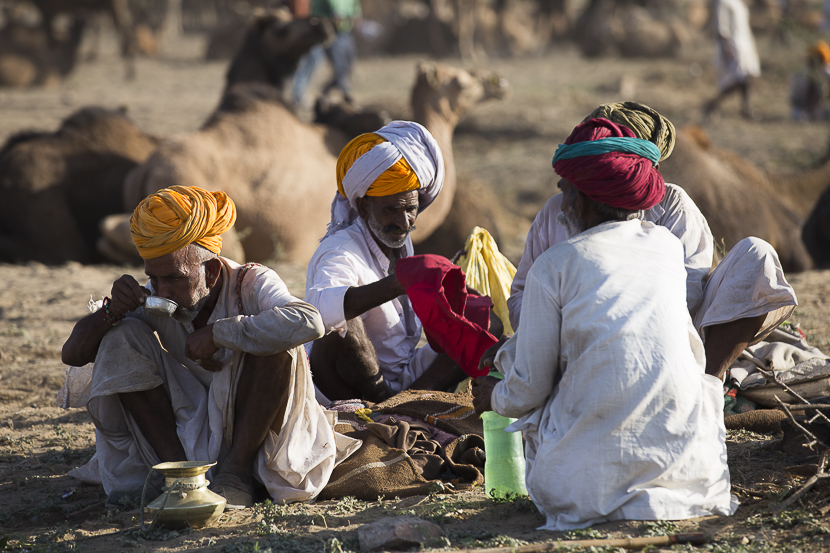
{"x":160,"y":307}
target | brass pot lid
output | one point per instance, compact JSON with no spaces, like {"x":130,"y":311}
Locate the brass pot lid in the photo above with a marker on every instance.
{"x":183,"y":469}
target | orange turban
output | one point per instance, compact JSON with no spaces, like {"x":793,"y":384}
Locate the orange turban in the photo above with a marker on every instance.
{"x":398,"y":178}
{"x":400,"y":157}
{"x":821,"y":50}
{"x":177,"y":216}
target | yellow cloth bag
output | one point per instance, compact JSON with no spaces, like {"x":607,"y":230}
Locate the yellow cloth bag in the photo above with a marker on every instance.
{"x":489,"y":272}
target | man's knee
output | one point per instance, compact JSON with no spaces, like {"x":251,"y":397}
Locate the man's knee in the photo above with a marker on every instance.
{"x":129,"y":358}
{"x":752,"y":245}
{"x":132,"y":334}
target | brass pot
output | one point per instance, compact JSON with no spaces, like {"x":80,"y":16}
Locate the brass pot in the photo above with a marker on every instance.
{"x":186,"y":499}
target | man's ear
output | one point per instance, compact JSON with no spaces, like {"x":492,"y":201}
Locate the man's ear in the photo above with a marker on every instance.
{"x":363,"y":207}
{"x":213,"y":268}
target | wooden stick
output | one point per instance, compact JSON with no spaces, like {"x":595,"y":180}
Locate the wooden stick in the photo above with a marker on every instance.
{"x":696,"y":538}
{"x":775,"y":378}
{"x":820,"y":473}
{"x":803,"y":430}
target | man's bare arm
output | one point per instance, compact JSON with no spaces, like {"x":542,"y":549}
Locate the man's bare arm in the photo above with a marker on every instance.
{"x":82,"y":345}
{"x":360,"y":299}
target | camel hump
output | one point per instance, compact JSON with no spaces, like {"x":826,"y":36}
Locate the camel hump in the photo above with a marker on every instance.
{"x":91,"y":116}
{"x":19,"y":138}
{"x":698,"y":136}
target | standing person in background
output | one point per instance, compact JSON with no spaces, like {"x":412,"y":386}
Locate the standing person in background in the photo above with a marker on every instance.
{"x":341,"y":51}
{"x":737,"y":58}
{"x":809,"y":86}
{"x":299,"y":8}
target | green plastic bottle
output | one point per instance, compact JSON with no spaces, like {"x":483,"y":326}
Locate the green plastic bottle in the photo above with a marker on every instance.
{"x":504,"y":469}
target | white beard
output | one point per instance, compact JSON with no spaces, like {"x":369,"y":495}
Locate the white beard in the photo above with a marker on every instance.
{"x":393,"y":241}
{"x":199,"y":299}
{"x":573,"y":227}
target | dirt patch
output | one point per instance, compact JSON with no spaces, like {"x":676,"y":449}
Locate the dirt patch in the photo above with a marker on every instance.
{"x":505,"y":145}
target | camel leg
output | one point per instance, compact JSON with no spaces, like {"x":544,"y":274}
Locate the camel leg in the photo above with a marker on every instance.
{"x":435,"y":32}
{"x":465,"y":18}
{"x":724,"y":342}
{"x":95,"y":44}
{"x":123,"y":20}
{"x":347,"y":367}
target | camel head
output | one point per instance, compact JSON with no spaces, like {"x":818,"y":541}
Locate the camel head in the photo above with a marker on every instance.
{"x":273,"y":46}
{"x":449,"y":91}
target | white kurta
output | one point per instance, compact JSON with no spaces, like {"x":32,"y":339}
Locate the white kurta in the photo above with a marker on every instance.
{"x":747,"y":282}
{"x":737,"y":57}
{"x":677,"y":212}
{"x":294,"y":465}
{"x":607,"y":380}
{"x":350,"y":258}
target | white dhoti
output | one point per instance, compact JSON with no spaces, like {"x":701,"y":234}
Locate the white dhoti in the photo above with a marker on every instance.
{"x":294,"y":465}
{"x":748,"y":282}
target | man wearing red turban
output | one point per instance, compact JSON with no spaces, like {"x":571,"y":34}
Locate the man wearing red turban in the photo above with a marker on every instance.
{"x":746,"y":295}
{"x":606,"y":374}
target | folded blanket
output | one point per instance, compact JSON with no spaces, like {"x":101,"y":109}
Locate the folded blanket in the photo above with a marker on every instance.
{"x":415,"y":438}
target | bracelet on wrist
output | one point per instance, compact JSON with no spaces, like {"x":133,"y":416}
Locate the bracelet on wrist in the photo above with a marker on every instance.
{"x":107,"y":314}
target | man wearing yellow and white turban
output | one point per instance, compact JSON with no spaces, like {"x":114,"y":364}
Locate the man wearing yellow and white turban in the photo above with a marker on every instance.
{"x":211,"y":382}
{"x":384,"y":180}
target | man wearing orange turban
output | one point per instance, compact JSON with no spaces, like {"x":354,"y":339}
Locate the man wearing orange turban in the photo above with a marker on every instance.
{"x":384,"y":180}
{"x":212,"y":381}
{"x":809,"y":86}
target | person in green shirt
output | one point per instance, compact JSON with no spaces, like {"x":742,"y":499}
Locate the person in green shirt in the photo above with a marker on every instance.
{"x":341,"y":51}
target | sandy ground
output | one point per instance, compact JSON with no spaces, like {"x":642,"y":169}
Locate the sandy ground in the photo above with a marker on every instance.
{"x":506,"y":145}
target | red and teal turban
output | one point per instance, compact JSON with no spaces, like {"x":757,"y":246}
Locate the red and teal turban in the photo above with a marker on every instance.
{"x":609,"y":164}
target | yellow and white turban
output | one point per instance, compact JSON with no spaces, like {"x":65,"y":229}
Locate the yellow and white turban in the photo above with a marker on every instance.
{"x":177,"y":216}
{"x":400,"y":157}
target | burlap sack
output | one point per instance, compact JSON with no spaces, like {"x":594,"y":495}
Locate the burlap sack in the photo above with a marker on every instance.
{"x":382,"y":467}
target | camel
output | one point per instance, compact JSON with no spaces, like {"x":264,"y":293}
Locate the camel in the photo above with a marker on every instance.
{"x":28,"y":59}
{"x":816,"y":231}
{"x":280,"y":171}
{"x":273,"y":46}
{"x":118,"y":9}
{"x":633,"y":30}
{"x":441,"y":95}
{"x":347,"y":116}
{"x":56,"y":187}
{"x":738,"y":199}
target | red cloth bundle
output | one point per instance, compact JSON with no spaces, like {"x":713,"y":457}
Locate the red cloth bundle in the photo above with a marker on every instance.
{"x":455,"y":323}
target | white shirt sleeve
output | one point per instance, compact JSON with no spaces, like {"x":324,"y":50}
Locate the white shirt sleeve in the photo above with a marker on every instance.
{"x":544,"y":233}
{"x":684,"y":220}
{"x":278,"y":320}
{"x":334,"y":273}
{"x":530,"y":359}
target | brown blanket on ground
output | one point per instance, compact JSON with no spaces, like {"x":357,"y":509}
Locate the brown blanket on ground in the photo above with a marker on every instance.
{"x":400,"y":458}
